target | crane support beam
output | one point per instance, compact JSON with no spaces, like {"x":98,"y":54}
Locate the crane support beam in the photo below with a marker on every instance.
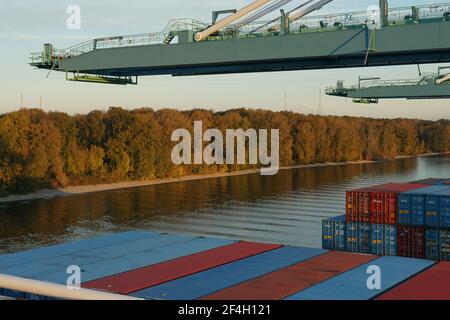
{"x":200,"y":36}
{"x":264,"y":12}
{"x":308,"y":9}
{"x":419,"y":43}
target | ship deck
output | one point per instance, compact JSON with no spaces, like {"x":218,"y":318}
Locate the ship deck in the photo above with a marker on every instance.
{"x":159,"y":266}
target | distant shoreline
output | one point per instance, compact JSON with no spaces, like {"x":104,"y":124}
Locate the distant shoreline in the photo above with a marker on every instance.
{"x":76,"y":190}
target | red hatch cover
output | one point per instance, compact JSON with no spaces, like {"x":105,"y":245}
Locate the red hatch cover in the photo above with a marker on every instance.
{"x":142,"y":278}
{"x":432,"y":284}
{"x":288,"y":281}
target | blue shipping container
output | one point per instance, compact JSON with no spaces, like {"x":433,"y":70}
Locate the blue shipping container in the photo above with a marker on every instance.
{"x":432,"y":211}
{"x":444,"y":208}
{"x":412,"y":206}
{"x":404,"y":209}
{"x":333,"y":234}
{"x":358,"y":237}
{"x":432,"y":244}
{"x":438,"y":245}
{"x":384,"y":240}
{"x":445,"y":245}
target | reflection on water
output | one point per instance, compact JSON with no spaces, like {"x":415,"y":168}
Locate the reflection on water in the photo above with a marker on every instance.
{"x":286,"y":208}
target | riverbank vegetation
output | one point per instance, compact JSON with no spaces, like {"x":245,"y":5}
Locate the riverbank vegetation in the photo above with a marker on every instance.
{"x":41,"y":149}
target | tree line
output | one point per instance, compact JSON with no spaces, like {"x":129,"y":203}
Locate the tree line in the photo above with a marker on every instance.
{"x":53,"y":149}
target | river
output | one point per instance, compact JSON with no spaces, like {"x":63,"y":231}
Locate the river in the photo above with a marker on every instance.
{"x":287,"y":208}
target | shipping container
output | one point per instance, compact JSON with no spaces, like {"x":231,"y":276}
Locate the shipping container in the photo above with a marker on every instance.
{"x":432,"y":244}
{"x":288,"y":281}
{"x":432,"y":212}
{"x":420,"y":207}
{"x":358,"y":237}
{"x":444,"y":207}
{"x":445,"y":245}
{"x":411,"y":241}
{"x":438,"y":245}
{"x":384,"y":240}
{"x":334,"y":234}
{"x":384,"y":203}
{"x":358,"y":205}
{"x":377,"y":204}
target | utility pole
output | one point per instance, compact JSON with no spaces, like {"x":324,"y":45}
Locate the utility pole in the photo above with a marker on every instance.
{"x":21,"y":100}
{"x":319,"y":107}
{"x":285,"y":101}
{"x":40,"y":102}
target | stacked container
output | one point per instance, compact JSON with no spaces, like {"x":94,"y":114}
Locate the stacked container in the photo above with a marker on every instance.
{"x":408,"y":219}
{"x":437,"y":225}
{"x":372,"y":217}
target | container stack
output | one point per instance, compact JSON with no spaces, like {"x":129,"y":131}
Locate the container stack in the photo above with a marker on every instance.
{"x":397,"y":219}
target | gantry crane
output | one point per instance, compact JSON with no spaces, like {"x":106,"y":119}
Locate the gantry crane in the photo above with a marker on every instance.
{"x":241,"y":43}
{"x":371,"y":90}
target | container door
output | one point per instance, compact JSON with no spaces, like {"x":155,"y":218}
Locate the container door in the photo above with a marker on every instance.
{"x":327,"y":235}
{"x":340,"y":238}
{"x":404,"y":241}
{"x":432,"y":244}
{"x":365,"y":207}
{"x":392,"y":211}
{"x":377,"y":239}
{"x":364,"y":238}
{"x":445,"y":245}
{"x":352,"y":237}
{"x":350,"y":205}
{"x":418,"y":242}
{"x":390,"y":240}
{"x":444,"y":212}
{"x":432,"y":211}
{"x":404,"y":209}
{"x":418,"y":210}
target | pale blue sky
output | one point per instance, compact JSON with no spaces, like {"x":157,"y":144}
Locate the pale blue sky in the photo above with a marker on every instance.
{"x":26,"y":25}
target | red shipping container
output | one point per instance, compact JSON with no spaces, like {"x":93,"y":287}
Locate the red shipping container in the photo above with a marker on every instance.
{"x":377,"y":204}
{"x":384,"y":208}
{"x":358,"y":203}
{"x":411,"y":242}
